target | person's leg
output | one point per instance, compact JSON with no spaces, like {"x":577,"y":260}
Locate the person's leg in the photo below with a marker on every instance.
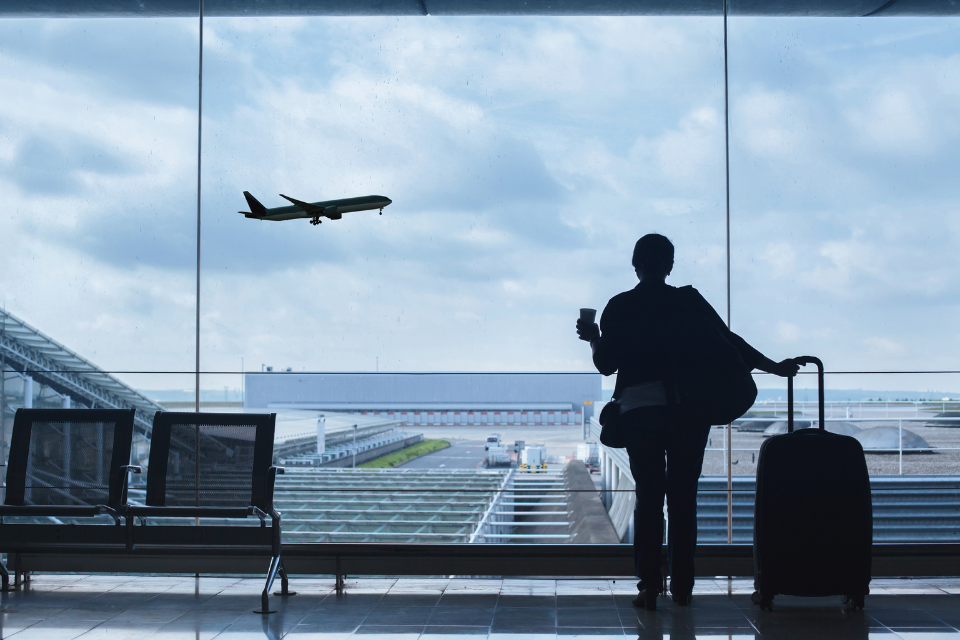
{"x":684,"y":463}
{"x":648,"y":466}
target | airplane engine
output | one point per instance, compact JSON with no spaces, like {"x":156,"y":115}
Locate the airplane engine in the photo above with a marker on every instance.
{"x":332,"y":213}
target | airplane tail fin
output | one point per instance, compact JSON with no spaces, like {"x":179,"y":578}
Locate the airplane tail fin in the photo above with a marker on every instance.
{"x":255,"y":207}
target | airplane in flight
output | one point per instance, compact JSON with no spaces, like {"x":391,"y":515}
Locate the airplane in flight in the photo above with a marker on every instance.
{"x":332,"y":209}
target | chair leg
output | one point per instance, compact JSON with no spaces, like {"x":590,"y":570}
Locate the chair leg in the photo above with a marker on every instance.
{"x":265,"y":596}
{"x":284,"y":583}
{"x":5,"y":577}
{"x":338,"y":583}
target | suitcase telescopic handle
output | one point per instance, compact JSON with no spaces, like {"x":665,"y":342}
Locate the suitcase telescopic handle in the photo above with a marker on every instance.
{"x":802,"y":361}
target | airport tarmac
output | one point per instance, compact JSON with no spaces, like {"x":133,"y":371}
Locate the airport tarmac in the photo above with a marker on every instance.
{"x":461,"y":454}
{"x":560,"y":440}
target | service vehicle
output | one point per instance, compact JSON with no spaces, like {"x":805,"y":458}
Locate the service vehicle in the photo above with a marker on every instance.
{"x":498,"y":457}
{"x":534,"y":458}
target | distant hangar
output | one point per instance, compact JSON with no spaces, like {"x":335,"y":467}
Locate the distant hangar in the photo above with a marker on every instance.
{"x":433,"y":398}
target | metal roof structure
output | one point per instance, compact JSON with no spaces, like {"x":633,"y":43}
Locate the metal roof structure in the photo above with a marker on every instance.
{"x":28,"y":351}
{"x":416,"y":505}
{"x":391,"y":505}
{"x":240,"y":8}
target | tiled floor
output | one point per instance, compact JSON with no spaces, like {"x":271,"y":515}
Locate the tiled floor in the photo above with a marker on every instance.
{"x":132,"y":607}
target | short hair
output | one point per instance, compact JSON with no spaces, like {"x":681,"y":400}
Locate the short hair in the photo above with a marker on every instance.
{"x":654,"y":253}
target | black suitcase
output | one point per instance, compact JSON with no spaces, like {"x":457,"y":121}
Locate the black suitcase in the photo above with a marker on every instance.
{"x":813,"y":518}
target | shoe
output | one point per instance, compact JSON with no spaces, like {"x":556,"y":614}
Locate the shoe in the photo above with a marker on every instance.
{"x":646,"y":599}
{"x":683,"y":599}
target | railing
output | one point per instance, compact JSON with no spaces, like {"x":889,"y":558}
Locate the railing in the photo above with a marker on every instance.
{"x":907,"y":508}
{"x":899,"y":450}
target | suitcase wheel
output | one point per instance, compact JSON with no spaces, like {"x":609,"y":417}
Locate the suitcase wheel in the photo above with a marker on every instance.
{"x":854,"y":603}
{"x":765,"y":602}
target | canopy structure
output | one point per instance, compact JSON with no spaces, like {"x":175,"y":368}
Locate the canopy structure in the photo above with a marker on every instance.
{"x":236,"y":8}
{"x":28,"y":353}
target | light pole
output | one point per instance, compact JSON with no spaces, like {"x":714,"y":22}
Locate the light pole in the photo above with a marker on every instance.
{"x":354,"y":446}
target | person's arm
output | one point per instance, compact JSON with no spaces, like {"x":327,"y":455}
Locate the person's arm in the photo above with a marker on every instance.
{"x":751,"y":356}
{"x":603,"y":339}
{"x":604,"y":346}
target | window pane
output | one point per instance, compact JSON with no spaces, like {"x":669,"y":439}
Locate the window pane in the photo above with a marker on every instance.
{"x":843,"y":201}
{"x":97,"y":238}
{"x":843,"y":147}
{"x":523,"y":158}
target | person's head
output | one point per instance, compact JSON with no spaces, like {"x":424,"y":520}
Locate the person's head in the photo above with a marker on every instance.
{"x":653,"y":257}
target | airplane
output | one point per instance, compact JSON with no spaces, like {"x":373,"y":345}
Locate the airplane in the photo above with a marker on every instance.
{"x":332,"y":209}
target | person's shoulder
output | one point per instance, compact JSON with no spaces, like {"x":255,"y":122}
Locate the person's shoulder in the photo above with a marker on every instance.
{"x":689,"y":291}
{"x":619,"y":305}
{"x":622,"y":298}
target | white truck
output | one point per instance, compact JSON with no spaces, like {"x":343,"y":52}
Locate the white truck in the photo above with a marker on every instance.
{"x":534,"y":458}
{"x":493,"y":440}
{"x":589,"y":453}
{"x":498,"y":457}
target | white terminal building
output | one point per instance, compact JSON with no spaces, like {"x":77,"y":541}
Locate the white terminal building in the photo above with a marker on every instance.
{"x":432,"y":398}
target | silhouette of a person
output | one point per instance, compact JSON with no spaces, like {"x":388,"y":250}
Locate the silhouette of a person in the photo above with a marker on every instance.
{"x":666,"y":453}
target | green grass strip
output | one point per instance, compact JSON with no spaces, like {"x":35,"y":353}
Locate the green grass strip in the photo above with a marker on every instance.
{"x":405,"y":455}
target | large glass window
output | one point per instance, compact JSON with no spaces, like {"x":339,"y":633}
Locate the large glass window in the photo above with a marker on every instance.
{"x":843,"y":209}
{"x":522,"y":158}
{"x":98,"y":231}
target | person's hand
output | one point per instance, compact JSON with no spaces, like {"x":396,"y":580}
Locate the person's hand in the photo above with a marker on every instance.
{"x":588,"y":331}
{"x":786,"y":368}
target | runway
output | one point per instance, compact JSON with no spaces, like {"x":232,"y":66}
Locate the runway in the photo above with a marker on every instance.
{"x":461,"y":454}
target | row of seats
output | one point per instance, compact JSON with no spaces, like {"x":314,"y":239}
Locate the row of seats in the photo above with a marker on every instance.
{"x":67,"y":466}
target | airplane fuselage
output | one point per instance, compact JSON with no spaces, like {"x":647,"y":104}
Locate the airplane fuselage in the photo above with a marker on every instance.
{"x":332,"y":209}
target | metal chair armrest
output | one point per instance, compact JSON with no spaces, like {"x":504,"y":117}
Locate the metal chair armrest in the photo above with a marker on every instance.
{"x":123,"y":471}
{"x":255,"y":511}
{"x":104,"y":509}
{"x":271,"y":483}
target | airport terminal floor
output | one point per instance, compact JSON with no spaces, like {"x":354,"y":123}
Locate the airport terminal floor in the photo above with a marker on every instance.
{"x":62,"y":607}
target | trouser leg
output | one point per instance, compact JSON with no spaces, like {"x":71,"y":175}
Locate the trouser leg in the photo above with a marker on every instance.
{"x":684,"y":464}
{"x":648,"y":466}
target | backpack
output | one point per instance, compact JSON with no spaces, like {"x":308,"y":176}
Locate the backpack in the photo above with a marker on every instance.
{"x":708,"y":382}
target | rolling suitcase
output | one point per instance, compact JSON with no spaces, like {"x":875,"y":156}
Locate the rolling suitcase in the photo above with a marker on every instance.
{"x":813,"y":518}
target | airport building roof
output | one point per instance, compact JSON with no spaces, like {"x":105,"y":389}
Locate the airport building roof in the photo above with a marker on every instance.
{"x":422,"y":391}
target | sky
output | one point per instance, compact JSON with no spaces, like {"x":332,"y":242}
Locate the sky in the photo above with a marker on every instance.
{"x":524,"y":156}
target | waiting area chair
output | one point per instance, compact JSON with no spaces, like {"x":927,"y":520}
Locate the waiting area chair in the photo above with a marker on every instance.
{"x":65,"y":466}
{"x":210,"y":465}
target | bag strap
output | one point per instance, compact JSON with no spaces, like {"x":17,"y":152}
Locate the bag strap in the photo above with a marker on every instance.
{"x":682,"y":299}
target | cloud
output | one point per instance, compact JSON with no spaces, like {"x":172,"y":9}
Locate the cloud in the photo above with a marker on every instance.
{"x":59,"y":166}
{"x":692,"y":149}
{"x":893,"y":122}
{"x":524,"y":158}
{"x":781,"y":257}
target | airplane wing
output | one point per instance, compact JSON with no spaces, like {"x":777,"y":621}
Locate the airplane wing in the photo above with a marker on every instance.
{"x":306,"y":206}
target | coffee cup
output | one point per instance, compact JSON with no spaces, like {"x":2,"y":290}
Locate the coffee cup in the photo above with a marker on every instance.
{"x":588,"y":315}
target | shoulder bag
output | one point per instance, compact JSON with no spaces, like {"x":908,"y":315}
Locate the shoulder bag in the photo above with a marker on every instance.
{"x":711,"y":384}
